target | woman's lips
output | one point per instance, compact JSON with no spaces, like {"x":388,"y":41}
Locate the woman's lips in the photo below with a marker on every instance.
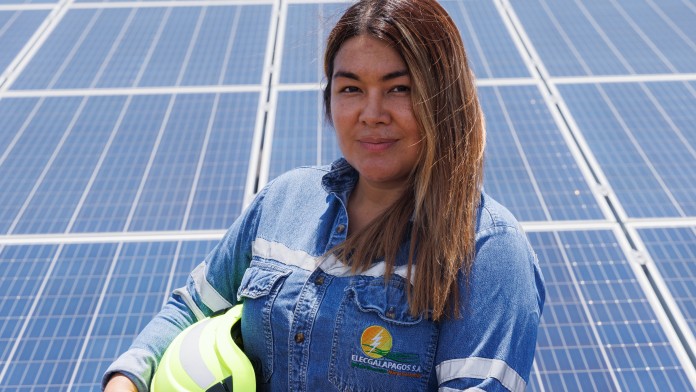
{"x":377,"y":145}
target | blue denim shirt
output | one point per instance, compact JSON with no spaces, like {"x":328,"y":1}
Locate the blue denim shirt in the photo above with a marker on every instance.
{"x":309,"y":324}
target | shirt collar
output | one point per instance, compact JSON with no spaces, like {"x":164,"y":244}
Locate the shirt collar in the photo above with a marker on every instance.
{"x":341,"y":177}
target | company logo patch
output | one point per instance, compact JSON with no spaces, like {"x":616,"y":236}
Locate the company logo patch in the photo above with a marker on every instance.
{"x":377,"y":344}
{"x":376,"y":341}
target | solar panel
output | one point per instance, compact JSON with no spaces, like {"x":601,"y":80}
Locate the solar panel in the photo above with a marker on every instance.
{"x":598,"y":330}
{"x":491,"y":50}
{"x":308,"y":26}
{"x":134,"y":132}
{"x":301,"y":135}
{"x":673,"y":251}
{"x":128,"y":47}
{"x":610,"y":38}
{"x":529,"y":167}
{"x":16,"y":27}
{"x":647,"y":157}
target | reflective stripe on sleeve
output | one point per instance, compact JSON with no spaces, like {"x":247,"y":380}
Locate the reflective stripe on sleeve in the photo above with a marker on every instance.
{"x":191,"y":359}
{"x":210,"y":297}
{"x":481,"y":368}
{"x":446,"y":389}
{"x":186,"y":297}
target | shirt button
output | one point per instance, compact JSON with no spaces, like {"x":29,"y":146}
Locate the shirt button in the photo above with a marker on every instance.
{"x":391,"y":313}
{"x":319,"y":280}
{"x":299,"y":337}
{"x":340,"y":228}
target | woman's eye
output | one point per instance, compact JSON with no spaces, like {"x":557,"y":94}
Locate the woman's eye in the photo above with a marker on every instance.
{"x":349,"y":89}
{"x":401,"y":89}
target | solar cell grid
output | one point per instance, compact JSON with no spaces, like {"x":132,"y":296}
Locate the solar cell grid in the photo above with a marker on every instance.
{"x":491,"y":51}
{"x":50,"y":343}
{"x":598,"y":330}
{"x":645,"y":155}
{"x":23,"y":268}
{"x":152,"y":47}
{"x":56,"y":52}
{"x":610,"y":37}
{"x":674,"y":252}
{"x":24,"y":2}
{"x":50,"y":205}
{"x":108,"y":203}
{"x":663,"y":30}
{"x":16,"y":27}
{"x":529,"y":167}
{"x":41,"y":134}
{"x":135,"y":292}
{"x":223,"y":175}
{"x":300,"y":132}
{"x":307,"y":28}
{"x":162,"y":198}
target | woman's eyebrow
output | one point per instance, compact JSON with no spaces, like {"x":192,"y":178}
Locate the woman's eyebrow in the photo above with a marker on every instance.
{"x":389,"y":76}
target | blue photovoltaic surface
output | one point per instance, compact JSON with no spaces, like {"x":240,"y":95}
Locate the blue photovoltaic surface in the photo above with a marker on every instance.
{"x":162,"y":202}
{"x":222,"y":181}
{"x":56,"y":194}
{"x":529,"y":168}
{"x":301,"y":136}
{"x":135,"y":292}
{"x":27,"y":157}
{"x":52,"y":339}
{"x":648,"y":157}
{"x":101,"y":148}
{"x":674,"y":253}
{"x":305,"y":36}
{"x":178,"y":160}
{"x":611,"y":37}
{"x":110,"y":199}
{"x":598,"y":331}
{"x":61,"y":325}
{"x":16,"y":27}
{"x":491,"y":51}
{"x":143,"y":47}
{"x":20,"y":2}
{"x":23,"y":269}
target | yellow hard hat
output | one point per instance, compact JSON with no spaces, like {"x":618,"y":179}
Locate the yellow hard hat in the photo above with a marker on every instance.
{"x":207,"y":356}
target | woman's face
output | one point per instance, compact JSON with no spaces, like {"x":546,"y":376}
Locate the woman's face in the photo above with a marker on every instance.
{"x":372,"y":112}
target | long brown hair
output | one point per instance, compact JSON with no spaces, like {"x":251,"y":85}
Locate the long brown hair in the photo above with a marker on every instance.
{"x":445,"y":186}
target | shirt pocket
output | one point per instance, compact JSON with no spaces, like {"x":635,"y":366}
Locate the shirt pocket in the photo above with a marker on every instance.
{"x":377,"y":345}
{"x":259,"y":288}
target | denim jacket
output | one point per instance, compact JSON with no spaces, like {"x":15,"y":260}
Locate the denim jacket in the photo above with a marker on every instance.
{"x":309,"y":324}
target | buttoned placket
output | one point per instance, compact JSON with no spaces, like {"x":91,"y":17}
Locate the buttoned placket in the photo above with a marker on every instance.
{"x":303,"y":318}
{"x":306,"y":309}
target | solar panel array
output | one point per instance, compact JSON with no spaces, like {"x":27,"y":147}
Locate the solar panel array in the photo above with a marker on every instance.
{"x":133,"y":133}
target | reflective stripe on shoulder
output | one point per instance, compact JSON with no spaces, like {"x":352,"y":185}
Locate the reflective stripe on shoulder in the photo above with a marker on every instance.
{"x":481,"y":368}
{"x":331,"y":265}
{"x":210,"y":297}
{"x":186,"y":297}
{"x":191,"y":359}
{"x":446,"y":389}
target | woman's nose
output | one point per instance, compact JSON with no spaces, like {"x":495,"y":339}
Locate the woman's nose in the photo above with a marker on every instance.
{"x":374,"y":112}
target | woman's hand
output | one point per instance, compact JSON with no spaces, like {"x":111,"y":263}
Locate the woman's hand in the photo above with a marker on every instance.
{"x":120,"y":383}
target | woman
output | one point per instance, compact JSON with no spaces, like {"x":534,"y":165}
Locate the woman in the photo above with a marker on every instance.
{"x":390,"y":269}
